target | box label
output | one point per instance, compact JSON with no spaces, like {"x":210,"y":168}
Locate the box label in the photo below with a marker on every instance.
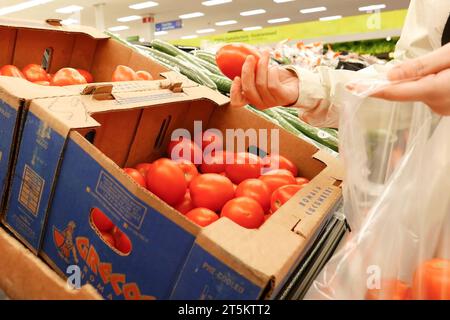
{"x":8,"y":118}
{"x":31,"y":190}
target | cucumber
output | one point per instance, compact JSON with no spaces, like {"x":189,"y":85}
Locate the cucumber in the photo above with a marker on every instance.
{"x":208,"y":66}
{"x":261,"y":114}
{"x":223,"y":84}
{"x":282,"y":122}
{"x":206,"y":56}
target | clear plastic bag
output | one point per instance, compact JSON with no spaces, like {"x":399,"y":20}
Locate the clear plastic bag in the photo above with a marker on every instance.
{"x":397,"y":159}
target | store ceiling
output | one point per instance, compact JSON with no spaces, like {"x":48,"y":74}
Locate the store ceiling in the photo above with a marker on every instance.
{"x":168,"y":10}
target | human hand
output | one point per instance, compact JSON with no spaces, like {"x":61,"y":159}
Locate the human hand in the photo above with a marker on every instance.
{"x":264,"y":86}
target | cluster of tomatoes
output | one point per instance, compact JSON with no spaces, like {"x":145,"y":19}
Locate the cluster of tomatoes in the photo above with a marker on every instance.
{"x":240,"y":186}
{"x":69,"y":76}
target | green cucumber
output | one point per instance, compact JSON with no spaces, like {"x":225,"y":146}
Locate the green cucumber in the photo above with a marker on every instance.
{"x":223,"y":84}
{"x":261,"y":114}
{"x":208,"y":66}
{"x":206,"y":56}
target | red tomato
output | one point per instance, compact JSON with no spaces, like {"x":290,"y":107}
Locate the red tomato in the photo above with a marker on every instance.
{"x":101,"y":221}
{"x":202,"y":216}
{"x":186,"y":205}
{"x":185,"y":149}
{"x":391,"y":289}
{"x":283,"y":172}
{"x":211,"y":191}
{"x":144,"y":75}
{"x":244,"y":211}
{"x":42,"y":83}
{"x":301,"y":181}
{"x":143,"y":168}
{"x":231,"y":57}
{"x":283,"y":195}
{"x":210,"y":137}
{"x":166,"y":180}
{"x":121,"y":240}
{"x":108,"y":238}
{"x":124,"y":73}
{"x":276,"y":161}
{"x":245,"y":166}
{"x":257,"y":190}
{"x":277,"y":180}
{"x":86,"y":75}
{"x":11,"y":71}
{"x":214,"y":162}
{"x":432,"y":280}
{"x":267,"y":216}
{"x":136,"y":175}
{"x":189,"y":169}
{"x":67,"y":77}
{"x":34,"y":73}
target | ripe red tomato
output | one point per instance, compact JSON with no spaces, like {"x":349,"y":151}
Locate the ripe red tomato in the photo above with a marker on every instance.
{"x":267,"y":216}
{"x":101,"y":221}
{"x":144,"y":75}
{"x":244,"y":211}
{"x":211,"y":191}
{"x":210,"y":137}
{"x":42,"y":83}
{"x":108,"y":238}
{"x":166,"y":180}
{"x":245,"y":166}
{"x":279,"y":171}
{"x":185,"y":149}
{"x":277,"y":180}
{"x":34,"y":73}
{"x":231,"y":57}
{"x":283,"y":195}
{"x":391,"y":289}
{"x":11,"y":71}
{"x":202,"y":216}
{"x":121,"y":240}
{"x":432,"y":280}
{"x":186,"y":205}
{"x":189,"y":169}
{"x":86,"y":75}
{"x":301,"y":181}
{"x":136,"y":175}
{"x":276,"y":161}
{"x":143,"y":168}
{"x":67,"y":77}
{"x":214,"y":162}
{"x":257,"y":190}
{"x":124,"y":73}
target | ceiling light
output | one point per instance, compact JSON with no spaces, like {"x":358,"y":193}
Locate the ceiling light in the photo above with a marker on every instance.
{"x":68,"y":22}
{"x":129,"y":18}
{"x":22,"y":6}
{"x":190,"y":37}
{"x":69,"y":9}
{"x":226,"y":22}
{"x":144,"y":5}
{"x":278,"y":20}
{"x":215,"y":2}
{"x":372,"y":7}
{"x":330,"y":18}
{"x":160,"y":33}
{"x":118,"y":28}
{"x":252,"y":28}
{"x":253,"y":12}
{"x":191,"y":15}
{"x":282,"y":1}
{"x":206,"y":30}
{"x":311,"y":10}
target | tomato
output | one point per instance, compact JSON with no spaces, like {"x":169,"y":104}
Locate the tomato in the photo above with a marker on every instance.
{"x":189,"y":169}
{"x":166,"y":180}
{"x":231,"y":57}
{"x":108,"y":238}
{"x":86,"y":75}
{"x":136,"y":175}
{"x":67,"y":77}
{"x":124,"y":73}
{"x":257,"y":190}
{"x":11,"y":71}
{"x":283,"y":172}
{"x":277,"y":180}
{"x":186,"y":205}
{"x":42,"y":83}
{"x":34,"y":73}
{"x":213,"y":138}
{"x":276,"y":161}
{"x":144,"y":75}
{"x":211,"y":191}
{"x":185,"y":149}
{"x":121,"y":240}
{"x":391,"y":289}
{"x":143,"y":168}
{"x":432,"y":280}
{"x":202,"y":216}
{"x":283,"y":195}
{"x":214,"y":162}
{"x":301,"y":181}
{"x":245,"y":166}
{"x":244,"y":211}
{"x":267,"y":216}
{"x":101,"y":221}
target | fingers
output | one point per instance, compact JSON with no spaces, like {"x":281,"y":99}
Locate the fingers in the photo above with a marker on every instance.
{"x":263,"y":80}
{"x":249,"y":83}
{"x":237,"y":98}
{"x":419,"y":90}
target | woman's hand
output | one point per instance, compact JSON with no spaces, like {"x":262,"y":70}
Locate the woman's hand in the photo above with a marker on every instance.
{"x":264,"y":86}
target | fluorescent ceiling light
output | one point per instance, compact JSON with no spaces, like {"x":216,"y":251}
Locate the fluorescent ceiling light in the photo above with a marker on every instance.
{"x":215,"y":2}
{"x":118,"y":28}
{"x":22,"y":6}
{"x":69,"y":9}
{"x":143,"y":5}
{"x":253,"y":12}
{"x":190,"y":37}
{"x":311,"y":10}
{"x":160,"y":33}
{"x":282,"y":1}
{"x":252,"y":28}
{"x":330,"y":18}
{"x":278,"y":20}
{"x":129,"y":18}
{"x":372,"y":7}
{"x":68,"y":22}
{"x":191,"y":15}
{"x":206,"y":30}
{"x":226,"y":22}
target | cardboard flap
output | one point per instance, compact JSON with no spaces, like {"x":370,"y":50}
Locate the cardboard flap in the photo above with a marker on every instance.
{"x":24,"y":89}
{"x":335,"y":167}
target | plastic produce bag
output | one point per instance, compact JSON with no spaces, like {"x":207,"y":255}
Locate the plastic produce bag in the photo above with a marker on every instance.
{"x":397,"y":158}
